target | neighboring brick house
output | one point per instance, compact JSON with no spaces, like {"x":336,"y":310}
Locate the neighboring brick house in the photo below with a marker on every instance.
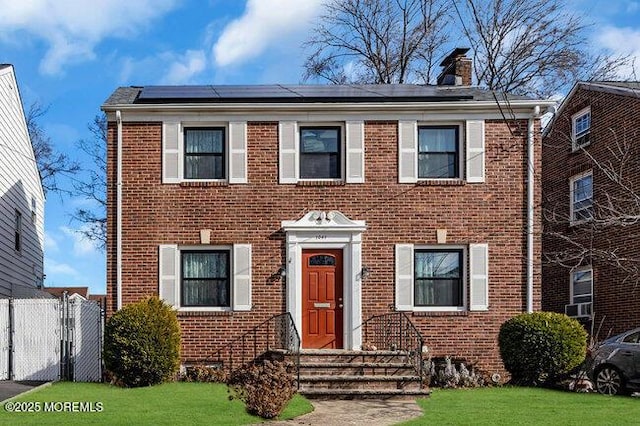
{"x":334,"y":203}
{"x":591,"y":188}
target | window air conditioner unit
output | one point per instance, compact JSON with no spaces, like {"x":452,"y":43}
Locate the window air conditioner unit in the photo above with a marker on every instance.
{"x":578,"y":310}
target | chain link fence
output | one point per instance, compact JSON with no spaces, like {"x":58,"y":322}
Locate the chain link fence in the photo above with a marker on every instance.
{"x":51,"y":339}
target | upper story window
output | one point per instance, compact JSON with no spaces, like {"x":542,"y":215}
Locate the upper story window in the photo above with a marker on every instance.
{"x":205,"y":279}
{"x":194,"y":151}
{"x":320,"y":149}
{"x":204,"y":153}
{"x":581,"y":128}
{"x":582,"y":285}
{"x":433,"y":152}
{"x":581,"y":207}
{"x":18,"y":232}
{"x":438,"y":278}
{"x":438,"y":152}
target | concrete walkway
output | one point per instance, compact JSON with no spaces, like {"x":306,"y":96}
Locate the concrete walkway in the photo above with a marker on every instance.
{"x":9,"y":388}
{"x":357,"y":412}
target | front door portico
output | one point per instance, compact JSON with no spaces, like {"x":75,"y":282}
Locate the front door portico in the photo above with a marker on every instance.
{"x":325,"y":323}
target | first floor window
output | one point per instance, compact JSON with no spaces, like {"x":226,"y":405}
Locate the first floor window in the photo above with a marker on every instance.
{"x":205,"y":278}
{"x":204,"y":153}
{"x":582,"y":197}
{"x":18,"y":234}
{"x":582,"y":286}
{"x":438,"y":152}
{"x":438,"y":278}
{"x":320,"y":153}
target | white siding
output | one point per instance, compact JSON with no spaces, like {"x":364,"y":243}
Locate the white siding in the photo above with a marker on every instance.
{"x":19,"y":183}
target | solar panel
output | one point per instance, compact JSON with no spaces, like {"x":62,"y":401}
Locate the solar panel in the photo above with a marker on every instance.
{"x":176,"y":92}
{"x":294,"y":93}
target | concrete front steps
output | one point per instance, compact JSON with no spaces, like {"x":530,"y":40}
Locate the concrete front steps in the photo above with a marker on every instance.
{"x":344,"y":374}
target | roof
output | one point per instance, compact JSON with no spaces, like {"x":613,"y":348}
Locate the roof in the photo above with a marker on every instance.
{"x":58,"y":291}
{"x":625,"y":88}
{"x":279,"y":93}
{"x":631,"y":85}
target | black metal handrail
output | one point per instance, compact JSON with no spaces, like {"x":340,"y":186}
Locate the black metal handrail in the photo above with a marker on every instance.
{"x":394,"y":331}
{"x":278,"y":333}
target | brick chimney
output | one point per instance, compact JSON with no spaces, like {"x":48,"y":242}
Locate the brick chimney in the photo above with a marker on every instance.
{"x":456,"y":69}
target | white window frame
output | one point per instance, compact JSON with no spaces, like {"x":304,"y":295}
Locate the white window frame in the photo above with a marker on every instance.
{"x":181,"y":308}
{"x":464,"y":278}
{"x":462,"y":148}
{"x":572,"y":282}
{"x":343,"y":152}
{"x":181,"y":148}
{"x":572,"y":181}
{"x":574,"y":135}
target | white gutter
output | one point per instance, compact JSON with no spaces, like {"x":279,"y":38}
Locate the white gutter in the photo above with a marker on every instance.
{"x":530,"y":204}
{"x":119,"y":212}
{"x":234,"y":107}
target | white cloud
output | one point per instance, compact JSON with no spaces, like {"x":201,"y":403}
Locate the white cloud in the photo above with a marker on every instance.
{"x":52,"y":267}
{"x":185,"y":67}
{"x":50,"y":243}
{"x":164,"y":68}
{"x":621,"y":41}
{"x":72,"y":28}
{"x":81,"y":245}
{"x":263,"y":23}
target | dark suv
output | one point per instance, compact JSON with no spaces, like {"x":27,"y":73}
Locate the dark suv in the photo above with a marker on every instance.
{"x":615,"y":364}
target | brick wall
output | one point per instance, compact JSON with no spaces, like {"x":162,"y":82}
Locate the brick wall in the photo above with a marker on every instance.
{"x":614,"y":129}
{"x":493,"y":212}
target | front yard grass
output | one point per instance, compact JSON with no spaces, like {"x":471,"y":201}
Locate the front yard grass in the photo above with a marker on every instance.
{"x":525,"y":406}
{"x":169,"y":403}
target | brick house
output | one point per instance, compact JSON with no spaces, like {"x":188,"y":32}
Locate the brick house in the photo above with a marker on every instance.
{"x":591,"y":239}
{"x":332,"y":203}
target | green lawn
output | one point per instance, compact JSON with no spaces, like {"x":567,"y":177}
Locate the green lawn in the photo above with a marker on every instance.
{"x":170,"y":403}
{"x":525,"y":406}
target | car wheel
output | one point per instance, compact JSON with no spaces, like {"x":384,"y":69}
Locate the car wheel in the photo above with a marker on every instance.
{"x":609,"y":381}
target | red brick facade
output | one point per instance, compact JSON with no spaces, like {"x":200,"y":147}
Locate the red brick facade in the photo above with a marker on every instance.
{"x":614,"y":132}
{"x":493,"y":212}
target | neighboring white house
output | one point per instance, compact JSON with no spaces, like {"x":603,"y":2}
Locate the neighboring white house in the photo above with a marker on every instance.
{"x":21,"y":198}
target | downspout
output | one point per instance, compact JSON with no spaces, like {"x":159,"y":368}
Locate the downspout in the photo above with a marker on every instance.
{"x":119,"y":212}
{"x":530,"y":204}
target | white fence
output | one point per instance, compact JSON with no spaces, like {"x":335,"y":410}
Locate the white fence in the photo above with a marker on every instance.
{"x":50,"y":339}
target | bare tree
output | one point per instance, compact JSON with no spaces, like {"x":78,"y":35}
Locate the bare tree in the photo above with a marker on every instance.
{"x":530,"y":47}
{"x":93,"y":187}
{"x":377,"y":41}
{"x":51,"y":163}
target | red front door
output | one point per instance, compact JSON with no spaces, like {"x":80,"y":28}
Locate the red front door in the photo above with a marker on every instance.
{"x":322,"y":299}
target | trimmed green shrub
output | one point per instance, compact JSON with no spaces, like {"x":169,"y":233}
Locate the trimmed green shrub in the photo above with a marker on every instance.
{"x":540,"y":347}
{"x":265,"y":388}
{"x":142,"y":343}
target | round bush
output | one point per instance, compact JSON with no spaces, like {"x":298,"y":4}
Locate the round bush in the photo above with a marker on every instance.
{"x":541,"y":346}
{"x":142,"y":343}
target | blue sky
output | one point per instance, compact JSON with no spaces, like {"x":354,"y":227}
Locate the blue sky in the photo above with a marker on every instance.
{"x":70,"y":55}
